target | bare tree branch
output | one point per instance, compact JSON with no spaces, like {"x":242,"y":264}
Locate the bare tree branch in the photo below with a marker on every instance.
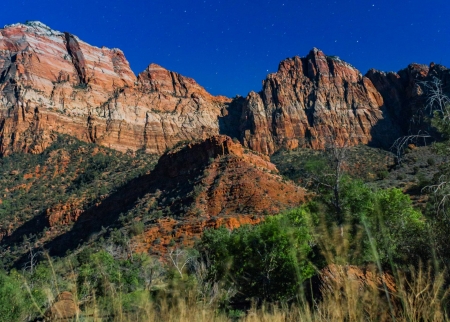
{"x":180,"y":258}
{"x":402,"y":143}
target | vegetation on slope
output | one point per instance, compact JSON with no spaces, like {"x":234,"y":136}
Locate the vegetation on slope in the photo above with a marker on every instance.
{"x":70,"y":175}
{"x":230,"y":272}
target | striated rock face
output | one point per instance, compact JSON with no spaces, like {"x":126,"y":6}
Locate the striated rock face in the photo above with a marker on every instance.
{"x":311,"y":98}
{"x":52,"y":82}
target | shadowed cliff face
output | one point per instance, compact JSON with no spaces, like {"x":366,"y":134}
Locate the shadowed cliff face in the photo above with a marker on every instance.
{"x":310,"y":97}
{"x":404,"y":94}
{"x":54,"y":82}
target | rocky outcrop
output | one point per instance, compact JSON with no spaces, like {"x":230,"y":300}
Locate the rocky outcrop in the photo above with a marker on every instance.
{"x":217,"y":176}
{"x":181,"y":160}
{"x":64,"y":308}
{"x":63,"y":214}
{"x":52,"y":82}
{"x":211,"y":183}
{"x":310,"y":99}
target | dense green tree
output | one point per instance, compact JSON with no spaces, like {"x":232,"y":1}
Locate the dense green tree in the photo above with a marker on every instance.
{"x":380,"y":225}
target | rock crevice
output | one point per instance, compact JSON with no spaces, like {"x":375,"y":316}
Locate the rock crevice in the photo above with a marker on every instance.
{"x":75,"y":53}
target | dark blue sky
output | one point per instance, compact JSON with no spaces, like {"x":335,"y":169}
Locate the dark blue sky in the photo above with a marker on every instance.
{"x":230,"y":46}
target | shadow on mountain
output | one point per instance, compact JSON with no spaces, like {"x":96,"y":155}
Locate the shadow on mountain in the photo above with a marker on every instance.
{"x":229,"y":122}
{"x":90,"y":221}
{"x":107,"y":213}
{"x":37,"y":224}
{"x":103,"y":215}
{"x":385,"y":132}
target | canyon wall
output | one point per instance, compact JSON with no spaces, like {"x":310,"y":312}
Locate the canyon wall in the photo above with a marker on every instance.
{"x":54,"y":83}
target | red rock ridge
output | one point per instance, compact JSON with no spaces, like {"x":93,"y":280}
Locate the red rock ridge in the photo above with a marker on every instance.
{"x":206,"y":183}
{"x":52,"y":82}
{"x":180,"y":161}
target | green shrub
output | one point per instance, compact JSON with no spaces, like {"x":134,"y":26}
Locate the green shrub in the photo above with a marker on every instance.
{"x":389,"y":228}
{"x":268,"y":261}
{"x":383,"y":174}
{"x":14,"y":300}
{"x":137,"y":228}
{"x":397,"y":229}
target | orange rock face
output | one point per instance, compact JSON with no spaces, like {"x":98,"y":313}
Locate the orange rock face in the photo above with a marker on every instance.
{"x":52,"y":82}
{"x":220,"y":178}
{"x":212,"y":183}
{"x":310,"y":97}
{"x":63,"y":214}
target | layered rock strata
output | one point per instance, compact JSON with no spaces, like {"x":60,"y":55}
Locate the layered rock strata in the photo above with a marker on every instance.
{"x":52,"y":82}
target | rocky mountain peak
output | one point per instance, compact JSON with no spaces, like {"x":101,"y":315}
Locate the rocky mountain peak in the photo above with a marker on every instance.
{"x":34,"y":26}
{"x":309,"y":97}
{"x":53,"y":82}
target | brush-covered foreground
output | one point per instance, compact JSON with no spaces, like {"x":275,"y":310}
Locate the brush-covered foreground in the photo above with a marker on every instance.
{"x":373,"y":256}
{"x":292,"y":267}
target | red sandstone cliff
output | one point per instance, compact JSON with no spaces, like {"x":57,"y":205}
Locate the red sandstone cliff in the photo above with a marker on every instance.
{"x":52,"y":82}
{"x":310,"y":98}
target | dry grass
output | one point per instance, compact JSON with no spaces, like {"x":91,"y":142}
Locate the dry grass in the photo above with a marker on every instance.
{"x":417,"y":298}
{"x":418,"y":295}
